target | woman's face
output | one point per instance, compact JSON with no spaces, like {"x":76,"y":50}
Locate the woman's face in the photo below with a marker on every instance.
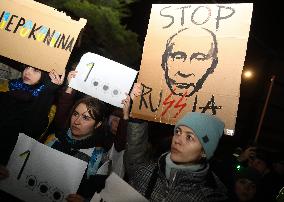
{"x":185,"y":147}
{"x":82,"y":124}
{"x":31,"y":76}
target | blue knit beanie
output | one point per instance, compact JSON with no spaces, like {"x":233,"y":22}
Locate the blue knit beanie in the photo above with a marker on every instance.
{"x":207,"y":128}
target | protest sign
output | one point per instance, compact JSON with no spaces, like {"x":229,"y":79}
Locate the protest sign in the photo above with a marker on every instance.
{"x":37,"y":35}
{"x":117,"y":190}
{"x":192,"y":61}
{"x":103,"y":78}
{"x":40,"y":173}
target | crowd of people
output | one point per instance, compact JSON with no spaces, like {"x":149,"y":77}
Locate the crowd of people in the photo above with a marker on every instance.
{"x":182,"y":168}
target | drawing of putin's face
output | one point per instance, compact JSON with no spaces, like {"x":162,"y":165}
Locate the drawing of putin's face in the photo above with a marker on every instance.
{"x":187,"y":62}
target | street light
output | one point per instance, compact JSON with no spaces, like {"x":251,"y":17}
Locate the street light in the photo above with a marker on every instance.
{"x":248,"y":74}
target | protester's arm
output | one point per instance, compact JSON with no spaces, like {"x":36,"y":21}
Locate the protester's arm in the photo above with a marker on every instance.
{"x":71,"y":74}
{"x":137,"y":142}
{"x":64,"y":104}
{"x":120,"y":137}
{"x":137,"y":136}
{"x":55,"y":80}
{"x":246,"y":154}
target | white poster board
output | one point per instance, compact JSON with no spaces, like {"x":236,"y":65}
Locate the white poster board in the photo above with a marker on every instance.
{"x":40,"y":173}
{"x":117,"y":190}
{"x":103,"y":78}
{"x":115,"y":162}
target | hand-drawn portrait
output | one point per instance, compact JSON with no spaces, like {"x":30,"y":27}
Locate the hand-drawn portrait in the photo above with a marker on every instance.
{"x":186,"y":68}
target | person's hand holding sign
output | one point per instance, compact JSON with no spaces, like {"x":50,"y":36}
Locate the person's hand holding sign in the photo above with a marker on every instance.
{"x":71,"y":75}
{"x":55,"y":78}
{"x":75,"y":198}
{"x":135,"y":92}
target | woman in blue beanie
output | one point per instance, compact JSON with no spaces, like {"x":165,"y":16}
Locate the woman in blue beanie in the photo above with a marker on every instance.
{"x":183,"y":173}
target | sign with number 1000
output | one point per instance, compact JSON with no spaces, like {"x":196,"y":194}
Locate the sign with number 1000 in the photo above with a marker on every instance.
{"x":34,"y":184}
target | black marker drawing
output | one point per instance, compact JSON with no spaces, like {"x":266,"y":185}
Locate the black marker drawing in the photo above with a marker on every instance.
{"x":115,"y":92}
{"x":190,"y":14}
{"x":211,"y":105}
{"x":25,"y":162}
{"x":57,"y":195}
{"x":90,"y":65}
{"x":105,"y":87}
{"x":43,"y":188}
{"x":31,"y":181}
{"x":147,"y":96}
{"x":187,"y":67}
{"x":95,"y":83}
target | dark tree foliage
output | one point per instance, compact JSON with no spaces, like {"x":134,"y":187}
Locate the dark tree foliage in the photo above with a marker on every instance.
{"x":104,"y":33}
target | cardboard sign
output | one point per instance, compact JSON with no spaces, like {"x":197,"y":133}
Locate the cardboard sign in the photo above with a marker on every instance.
{"x":40,"y":173}
{"x":192,"y":61}
{"x":36,"y":34}
{"x":103,"y":78}
{"x":117,"y":190}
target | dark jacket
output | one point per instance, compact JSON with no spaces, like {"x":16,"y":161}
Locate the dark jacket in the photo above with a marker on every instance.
{"x":202,"y":185}
{"x":22,"y":112}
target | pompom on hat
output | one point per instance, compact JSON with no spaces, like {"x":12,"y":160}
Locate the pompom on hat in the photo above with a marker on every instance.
{"x":207,"y":128}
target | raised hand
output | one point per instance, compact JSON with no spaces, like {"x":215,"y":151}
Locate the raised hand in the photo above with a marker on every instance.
{"x":56,"y":78}
{"x":136,"y":91}
{"x":71,"y":75}
{"x":248,"y":153}
{"x":126,"y":107}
